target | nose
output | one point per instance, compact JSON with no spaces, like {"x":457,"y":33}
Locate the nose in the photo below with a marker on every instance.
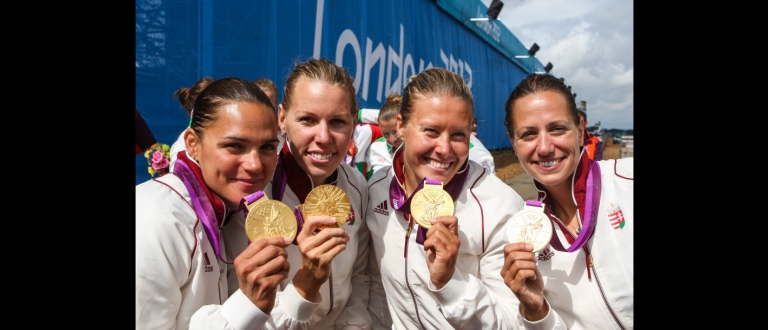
{"x":322,"y":134}
{"x":443,"y":145}
{"x":252,"y":162}
{"x":546,"y":145}
{"x":392,"y":137}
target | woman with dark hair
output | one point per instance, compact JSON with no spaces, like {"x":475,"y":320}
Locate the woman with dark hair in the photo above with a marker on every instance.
{"x":584,"y":278}
{"x":184,"y":220}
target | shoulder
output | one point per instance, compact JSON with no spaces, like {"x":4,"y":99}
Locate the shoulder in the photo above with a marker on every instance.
{"x":160,"y":189}
{"x":622,"y":167}
{"x":163,"y":204}
{"x":480,"y":177}
{"x":352,"y":177}
{"x":380,"y":178}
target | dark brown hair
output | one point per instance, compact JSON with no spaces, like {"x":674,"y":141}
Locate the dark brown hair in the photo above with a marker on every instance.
{"x":187,"y":96}
{"x":221,"y":93}
{"x":537,"y":83}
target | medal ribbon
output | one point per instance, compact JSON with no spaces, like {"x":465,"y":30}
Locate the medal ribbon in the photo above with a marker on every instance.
{"x":397,"y":195}
{"x":248,"y":200}
{"x":592,"y":204}
{"x":209,"y":209}
{"x":279,"y":181}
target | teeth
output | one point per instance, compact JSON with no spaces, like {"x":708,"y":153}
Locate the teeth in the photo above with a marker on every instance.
{"x":439,"y":165}
{"x":549,"y":163}
{"x":320,"y":157}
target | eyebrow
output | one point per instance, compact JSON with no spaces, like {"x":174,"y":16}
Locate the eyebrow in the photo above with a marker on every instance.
{"x":240,"y":139}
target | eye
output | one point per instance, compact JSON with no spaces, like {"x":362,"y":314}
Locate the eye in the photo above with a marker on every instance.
{"x":307,"y":120}
{"x":268,"y":147}
{"x":527,"y":135}
{"x":234,"y":146}
{"x":337,"y":122}
{"x":559,"y":129}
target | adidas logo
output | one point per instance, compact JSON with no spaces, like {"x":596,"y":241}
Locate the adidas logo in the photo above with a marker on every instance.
{"x":381,"y":209}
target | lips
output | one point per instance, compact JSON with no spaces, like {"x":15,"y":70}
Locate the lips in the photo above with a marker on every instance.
{"x":550,"y":163}
{"x":320,"y":156}
{"x":436,"y":164}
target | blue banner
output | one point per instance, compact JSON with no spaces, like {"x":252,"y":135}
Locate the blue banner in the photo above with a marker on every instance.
{"x":380,"y":43}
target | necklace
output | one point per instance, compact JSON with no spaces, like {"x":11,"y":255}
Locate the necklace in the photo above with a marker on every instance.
{"x":577,"y":230}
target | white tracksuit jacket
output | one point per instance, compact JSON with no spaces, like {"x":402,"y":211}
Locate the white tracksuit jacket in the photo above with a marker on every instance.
{"x":605,"y":301}
{"x":476,"y":297}
{"x":177,"y":271}
{"x":345,"y":295}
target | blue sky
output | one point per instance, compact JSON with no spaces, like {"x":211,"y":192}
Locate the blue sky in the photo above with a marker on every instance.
{"x":590,"y":43}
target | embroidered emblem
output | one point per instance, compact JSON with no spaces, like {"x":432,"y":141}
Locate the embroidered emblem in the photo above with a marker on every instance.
{"x":394,"y":202}
{"x":381,"y":208}
{"x":351,"y":218}
{"x":616,"y":216}
{"x":545,"y":254}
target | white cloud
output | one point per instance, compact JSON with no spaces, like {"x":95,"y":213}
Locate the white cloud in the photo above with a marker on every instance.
{"x":590,"y":43}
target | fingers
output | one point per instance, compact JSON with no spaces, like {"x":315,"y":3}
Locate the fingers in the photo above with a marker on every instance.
{"x":443,"y":235}
{"x":519,"y":246}
{"x":261,"y":253}
{"x":325,"y":244}
{"x":260,"y":268}
{"x":313,"y":222}
{"x":451,"y":223}
{"x":519,"y":266}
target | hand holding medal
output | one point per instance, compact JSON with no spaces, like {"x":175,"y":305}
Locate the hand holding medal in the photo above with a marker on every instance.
{"x":269,"y":218}
{"x":327,"y":200}
{"x":429,"y":202}
{"x":531,"y":225}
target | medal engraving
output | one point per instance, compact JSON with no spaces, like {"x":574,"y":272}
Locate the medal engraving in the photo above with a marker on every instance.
{"x":270,"y":218}
{"x":430,"y":202}
{"x":329,"y":200}
{"x":532,"y":227}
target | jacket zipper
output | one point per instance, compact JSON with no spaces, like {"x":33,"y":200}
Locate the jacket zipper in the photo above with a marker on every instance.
{"x":591,"y":264}
{"x":407,"y":282}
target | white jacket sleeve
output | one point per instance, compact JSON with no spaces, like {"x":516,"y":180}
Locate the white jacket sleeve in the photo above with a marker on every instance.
{"x":237,"y":313}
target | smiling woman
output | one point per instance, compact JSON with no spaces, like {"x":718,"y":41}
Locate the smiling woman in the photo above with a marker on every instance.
{"x":508,"y":165}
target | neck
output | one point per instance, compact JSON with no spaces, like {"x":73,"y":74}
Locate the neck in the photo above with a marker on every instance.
{"x":409,"y":183}
{"x":561,"y":202}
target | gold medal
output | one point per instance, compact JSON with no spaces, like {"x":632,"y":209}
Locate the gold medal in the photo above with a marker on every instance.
{"x":530,"y":225}
{"x":430,"y":202}
{"x":327,"y":199}
{"x":270,"y":218}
